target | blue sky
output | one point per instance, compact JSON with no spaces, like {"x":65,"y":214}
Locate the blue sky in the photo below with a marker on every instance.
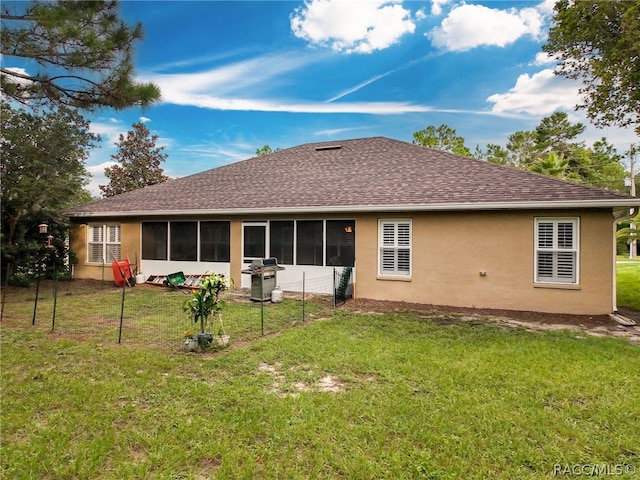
{"x":239,"y":75}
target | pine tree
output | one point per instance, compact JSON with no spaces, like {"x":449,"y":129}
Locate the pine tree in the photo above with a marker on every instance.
{"x":79,"y":55}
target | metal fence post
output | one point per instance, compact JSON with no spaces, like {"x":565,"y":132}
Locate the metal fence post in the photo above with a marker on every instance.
{"x":4,"y":291}
{"x":35,"y":304}
{"x":334,"y":288}
{"x":262,"y":303}
{"x":124,"y":286}
{"x":55,"y":296}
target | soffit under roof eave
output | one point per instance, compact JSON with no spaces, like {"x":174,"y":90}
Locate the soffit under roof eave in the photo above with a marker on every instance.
{"x":544,"y":205}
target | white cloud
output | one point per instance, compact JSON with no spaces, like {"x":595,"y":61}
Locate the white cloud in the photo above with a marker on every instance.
{"x":620,"y":138}
{"x":470,"y":26}
{"x":109,"y":132}
{"x":539,"y":94}
{"x":355,"y":88}
{"x":16,"y":80}
{"x":19,"y":71}
{"x":98,"y":177}
{"x":284,"y":105}
{"x":217,"y":151}
{"x":436,"y":6}
{"x":247,"y":75}
{"x":98,"y":170}
{"x":144,"y":119}
{"x":546,"y":6}
{"x":352,"y":27}
{"x":379,"y":76}
{"x":543,"y":58}
{"x":339,"y":131}
{"x":245,"y":86}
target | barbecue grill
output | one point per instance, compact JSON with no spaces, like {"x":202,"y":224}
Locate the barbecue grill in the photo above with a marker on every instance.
{"x":263,"y":273}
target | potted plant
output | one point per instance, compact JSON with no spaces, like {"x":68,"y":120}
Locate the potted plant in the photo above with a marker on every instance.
{"x":204,"y":303}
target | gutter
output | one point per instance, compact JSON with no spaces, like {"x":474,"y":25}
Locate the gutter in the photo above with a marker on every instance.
{"x":433,"y":207}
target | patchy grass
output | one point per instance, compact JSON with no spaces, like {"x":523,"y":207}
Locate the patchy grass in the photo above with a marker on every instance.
{"x":628,"y":287}
{"x":353,"y":396}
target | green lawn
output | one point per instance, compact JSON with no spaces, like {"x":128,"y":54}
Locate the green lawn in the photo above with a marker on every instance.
{"x":628,"y":288}
{"x":359,"y":396}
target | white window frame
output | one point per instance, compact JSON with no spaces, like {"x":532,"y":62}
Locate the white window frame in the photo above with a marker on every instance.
{"x":559,"y":253}
{"x":110,"y":240}
{"x":395,"y":237}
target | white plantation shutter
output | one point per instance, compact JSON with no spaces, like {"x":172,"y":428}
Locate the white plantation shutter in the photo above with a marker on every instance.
{"x":95,"y":244}
{"x":95,"y":253}
{"x":556,"y":250}
{"x":96,"y":233}
{"x":395,"y":247}
{"x":113,"y":233}
{"x":566,"y":266}
{"x":111,"y":251}
{"x":104,"y":242}
{"x":545,"y":235}
{"x":387,"y":252}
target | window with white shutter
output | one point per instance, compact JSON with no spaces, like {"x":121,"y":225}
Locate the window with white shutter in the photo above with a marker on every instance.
{"x":556,"y":250}
{"x":103,"y":243}
{"x":394,"y":246}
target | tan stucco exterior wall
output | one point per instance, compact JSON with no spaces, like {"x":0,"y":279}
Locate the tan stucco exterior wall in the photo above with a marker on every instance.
{"x":448,"y":253}
{"x":130,"y":246}
{"x":236,"y":252}
{"x":451,"y":249}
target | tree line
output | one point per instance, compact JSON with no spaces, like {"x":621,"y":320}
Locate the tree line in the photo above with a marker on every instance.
{"x":552,"y":148}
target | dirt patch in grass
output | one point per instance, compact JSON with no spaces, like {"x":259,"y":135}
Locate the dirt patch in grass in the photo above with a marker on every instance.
{"x":283,"y":387}
{"x":596,"y":325}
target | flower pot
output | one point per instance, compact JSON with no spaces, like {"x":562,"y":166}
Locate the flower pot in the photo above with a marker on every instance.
{"x":223,"y":340}
{"x":204,"y":340}
{"x":190,"y":344}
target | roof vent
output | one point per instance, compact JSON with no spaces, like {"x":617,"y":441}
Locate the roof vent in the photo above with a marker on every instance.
{"x":328,"y":147}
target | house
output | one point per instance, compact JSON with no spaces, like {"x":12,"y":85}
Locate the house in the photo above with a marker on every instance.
{"x":416,"y":225}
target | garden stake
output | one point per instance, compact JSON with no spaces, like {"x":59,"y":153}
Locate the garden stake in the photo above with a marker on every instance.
{"x":55,"y":296}
{"x":4,"y":291}
{"x":121,"y":312}
{"x":35,"y":304}
{"x":262,"y":303}
{"x":303,"y":296}
{"x":334,"y":287}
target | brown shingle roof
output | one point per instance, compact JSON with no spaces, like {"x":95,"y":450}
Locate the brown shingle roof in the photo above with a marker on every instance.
{"x":362,"y":174}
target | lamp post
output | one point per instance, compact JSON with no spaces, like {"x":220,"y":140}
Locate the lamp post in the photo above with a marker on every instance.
{"x":43,"y":229}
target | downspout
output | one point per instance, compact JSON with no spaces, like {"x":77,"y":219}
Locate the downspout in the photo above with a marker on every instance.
{"x":615,"y":254}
